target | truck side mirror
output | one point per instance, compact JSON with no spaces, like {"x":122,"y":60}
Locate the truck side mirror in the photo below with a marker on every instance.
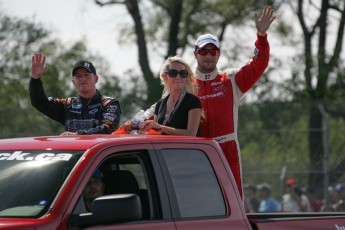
{"x":111,"y":209}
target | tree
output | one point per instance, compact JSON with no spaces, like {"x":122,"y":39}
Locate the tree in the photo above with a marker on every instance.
{"x":321,"y":65}
{"x":19,"y":40}
{"x":171,"y":24}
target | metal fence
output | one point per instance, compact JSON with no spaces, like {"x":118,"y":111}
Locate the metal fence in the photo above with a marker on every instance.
{"x":276,"y":145}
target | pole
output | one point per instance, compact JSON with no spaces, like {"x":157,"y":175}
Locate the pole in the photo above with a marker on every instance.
{"x":325,"y":140}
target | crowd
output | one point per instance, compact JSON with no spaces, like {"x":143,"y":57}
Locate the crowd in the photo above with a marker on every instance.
{"x":296,"y":198}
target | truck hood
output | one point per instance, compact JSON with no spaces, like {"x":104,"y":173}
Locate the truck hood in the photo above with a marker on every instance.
{"x":17,"y":223}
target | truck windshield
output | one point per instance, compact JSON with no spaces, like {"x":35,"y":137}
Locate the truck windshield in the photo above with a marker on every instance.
{"x":30,"y":180}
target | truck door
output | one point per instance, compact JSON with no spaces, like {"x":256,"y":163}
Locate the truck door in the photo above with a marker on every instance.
{"x":197,"y":191}
{"x":128,"y":169}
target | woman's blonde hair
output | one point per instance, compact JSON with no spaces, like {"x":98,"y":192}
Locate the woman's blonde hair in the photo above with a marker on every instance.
{"x":190,"y":78}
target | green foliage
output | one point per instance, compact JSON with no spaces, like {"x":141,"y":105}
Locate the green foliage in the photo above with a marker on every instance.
{"x":196,"y":17}
{"x":19,"y":40}
{"x":274,"y":135}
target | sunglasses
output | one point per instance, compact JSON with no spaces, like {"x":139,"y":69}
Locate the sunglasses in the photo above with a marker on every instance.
{"x":204,"y":52}
{"x":174,"y":73}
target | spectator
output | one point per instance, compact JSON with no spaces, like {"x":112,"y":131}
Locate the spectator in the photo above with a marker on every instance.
{"x":294,"y":200}
{"x":90,"y":113}
{"x":328,"y":205}
{"x":315,"y":203}
{"x":267,"y":202}
{"x":93,"y":189}
{"x":339,"y":205}
{"x":251,"y":202}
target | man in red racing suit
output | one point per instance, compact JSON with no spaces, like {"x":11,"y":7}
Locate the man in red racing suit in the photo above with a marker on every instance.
{"x":220,"y":92}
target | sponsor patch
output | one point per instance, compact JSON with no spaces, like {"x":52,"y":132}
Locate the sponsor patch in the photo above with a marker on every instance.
{"x":256,"y":52}
{"x":93,"y":111}
{"x":94,"y":106}
{"x":216,"y":83}
{"x":76,"y":106}
{"x":111,"y":110}
{"x":106,"y":102}
{"x":109,"y":117}
{"x":58,"y":100}
{"x":68,"y":101}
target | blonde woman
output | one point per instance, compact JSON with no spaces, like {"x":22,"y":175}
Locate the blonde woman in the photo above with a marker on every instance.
{"x":179,"y":111}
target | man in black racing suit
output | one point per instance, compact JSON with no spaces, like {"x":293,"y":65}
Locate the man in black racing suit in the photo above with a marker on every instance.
{"x":90,"y":113}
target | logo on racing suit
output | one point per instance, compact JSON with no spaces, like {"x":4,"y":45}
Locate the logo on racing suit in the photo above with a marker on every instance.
{"x":219,"y":94}
{"x":256,"y":52}
{"x":222,"y":92}
{"x":216,"y":83}
{"x":58,"y":100}
{"x":108,"y":116}
{"x":93,"y":111}
{"x":76,"y":106}
{"x":106,"y":102}
{"x":112,"y":109}
{"x":94,"y":106}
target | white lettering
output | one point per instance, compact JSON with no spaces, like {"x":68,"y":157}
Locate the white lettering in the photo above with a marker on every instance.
{"x":44,"y":156}
{"x":62,"y":157}
{"x":3,"y":156}
{"x":93,"y":111}
{"x":20,"y":156}
{"x":216,"y":83}
{"x":17,"y":155}
{"x":339,"y":227}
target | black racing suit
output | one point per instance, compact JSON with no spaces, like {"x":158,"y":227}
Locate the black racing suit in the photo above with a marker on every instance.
{"x":96,"y":115}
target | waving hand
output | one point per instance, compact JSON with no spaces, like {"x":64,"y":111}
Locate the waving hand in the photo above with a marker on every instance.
{"x":264,"y":21}
{"x":38,"y":67}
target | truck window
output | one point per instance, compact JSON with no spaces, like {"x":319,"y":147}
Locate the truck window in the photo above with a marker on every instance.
{"x":30,"y":180}
{"x":124,"y":173}
{"x":196,"y":187}
{"x":127,"y":173}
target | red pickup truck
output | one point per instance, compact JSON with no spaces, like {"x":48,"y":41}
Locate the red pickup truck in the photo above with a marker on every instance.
{"x":151,"y":182}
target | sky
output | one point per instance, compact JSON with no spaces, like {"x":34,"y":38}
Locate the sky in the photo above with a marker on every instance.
{"x":72,"y":20}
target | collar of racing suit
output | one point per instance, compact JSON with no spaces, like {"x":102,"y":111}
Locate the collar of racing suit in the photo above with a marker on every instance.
{"x":94,"y":99}
{"x":206,"y":76}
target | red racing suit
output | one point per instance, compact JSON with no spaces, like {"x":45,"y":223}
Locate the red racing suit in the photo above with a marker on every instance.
{"x":220,"y":94}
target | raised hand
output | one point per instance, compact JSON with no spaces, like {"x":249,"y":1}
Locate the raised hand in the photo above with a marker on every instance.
{"x":264,"y":21}
{"x":38,"y":67}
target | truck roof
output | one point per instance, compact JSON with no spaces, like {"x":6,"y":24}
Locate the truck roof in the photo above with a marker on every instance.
{"x":83,"y":142}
